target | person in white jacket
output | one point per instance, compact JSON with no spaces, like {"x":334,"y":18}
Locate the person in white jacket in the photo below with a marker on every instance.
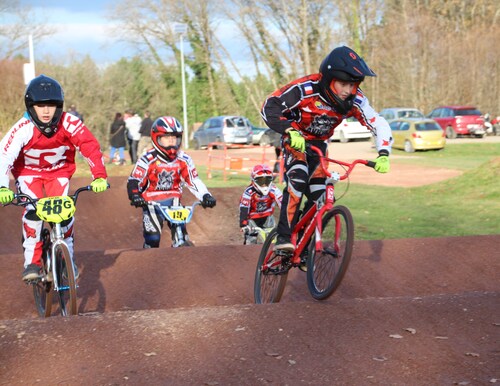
{"x":133,"y":124}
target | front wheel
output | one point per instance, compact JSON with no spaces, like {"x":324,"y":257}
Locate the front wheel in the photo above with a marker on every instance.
{"x":271,"y":273}
{"x":326,"y":268}
{"x":66,"y":280}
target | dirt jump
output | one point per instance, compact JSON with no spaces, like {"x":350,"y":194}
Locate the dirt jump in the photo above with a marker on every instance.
{"x":409,"y":311}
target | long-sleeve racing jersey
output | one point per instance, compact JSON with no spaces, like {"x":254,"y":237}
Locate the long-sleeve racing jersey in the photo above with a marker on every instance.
{"x":299,"y":105}
{"x":158,"y":180}
{"x":25,"y":151}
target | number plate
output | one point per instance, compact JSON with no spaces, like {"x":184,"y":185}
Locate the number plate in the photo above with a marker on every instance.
{"x":181,"y":214}
{"x":55,"y":209}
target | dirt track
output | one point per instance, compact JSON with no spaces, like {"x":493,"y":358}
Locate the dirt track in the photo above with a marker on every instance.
{"x":409,"y":312}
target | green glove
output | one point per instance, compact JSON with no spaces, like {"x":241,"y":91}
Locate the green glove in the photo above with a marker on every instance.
{"x":382,"y":164}
{"x":297,"y":141}
{"x":6,"y":195}
{"x":99,"y":185}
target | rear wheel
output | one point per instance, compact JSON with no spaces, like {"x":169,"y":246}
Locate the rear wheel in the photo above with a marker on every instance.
{"x":66,"y":280}
{"x":326,"y":268}
{"x":271,"y":274}
{"x":450,"y":133}
{"x":409,"y":147}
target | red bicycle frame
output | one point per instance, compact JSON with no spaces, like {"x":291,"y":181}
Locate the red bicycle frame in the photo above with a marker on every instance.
{"x":311,"y":221}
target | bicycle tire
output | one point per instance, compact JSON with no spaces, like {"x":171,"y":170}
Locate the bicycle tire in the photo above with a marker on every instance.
{"x":66,"y":280}
{"x":269,"y":286}
{"x":42,"y":290}
{"x":326,"y":269}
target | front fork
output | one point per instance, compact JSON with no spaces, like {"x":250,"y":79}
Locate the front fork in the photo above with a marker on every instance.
{"x":57,"y":238}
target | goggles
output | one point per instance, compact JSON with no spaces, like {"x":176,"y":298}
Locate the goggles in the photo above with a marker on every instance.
{"x":263,"y":180}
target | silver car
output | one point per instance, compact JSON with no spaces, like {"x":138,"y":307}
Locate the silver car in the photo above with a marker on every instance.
{"x":401,"y":112}
{"x":228,"y":129}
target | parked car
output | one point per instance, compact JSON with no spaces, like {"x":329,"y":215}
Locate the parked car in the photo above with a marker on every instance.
{"x":391,"y":113}
{"x":270,"y":137}
{"x":349,"y":129}
{"x":412,"y":134}
{"x":257,"y":133}
{"x":229,"y":129}
{"x":459,"y":120}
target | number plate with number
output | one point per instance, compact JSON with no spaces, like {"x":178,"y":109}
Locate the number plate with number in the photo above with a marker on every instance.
{"x":55,"y":209}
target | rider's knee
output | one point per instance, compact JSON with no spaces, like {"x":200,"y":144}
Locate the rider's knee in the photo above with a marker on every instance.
{"x":297,"y":178}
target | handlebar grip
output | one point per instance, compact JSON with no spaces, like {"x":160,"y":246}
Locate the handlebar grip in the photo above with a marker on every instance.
{"x":370,"y":164}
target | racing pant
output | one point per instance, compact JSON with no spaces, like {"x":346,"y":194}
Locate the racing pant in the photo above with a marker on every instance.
{"x":38,"y":187}
{"x":303,"y":176}
{"x":152,"y":225}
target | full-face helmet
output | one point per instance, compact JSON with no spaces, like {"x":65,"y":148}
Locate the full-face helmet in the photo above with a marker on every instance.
{"x":164,"y":127}
{"x":262,"y":176}
{"x":345,"y":65}
{"x":44,"y":90}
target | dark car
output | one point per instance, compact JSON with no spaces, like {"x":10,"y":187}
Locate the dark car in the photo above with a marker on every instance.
{"x":459,"y":120}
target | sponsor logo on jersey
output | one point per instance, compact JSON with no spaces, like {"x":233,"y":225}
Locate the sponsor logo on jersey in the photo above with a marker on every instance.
{"x":321,"y":106}
{"x":139,"y":172}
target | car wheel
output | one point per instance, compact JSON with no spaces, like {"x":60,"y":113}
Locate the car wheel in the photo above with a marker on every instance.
{"x":343,"y":138}
{"x":265,"y":140}
{"x":409,"y":147}
{"x":197,"y":145}
{"x":450,"y":133}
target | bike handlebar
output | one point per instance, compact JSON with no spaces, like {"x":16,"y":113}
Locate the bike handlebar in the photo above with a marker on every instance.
{"x":33,"y":201}
{"x":350,"y":166}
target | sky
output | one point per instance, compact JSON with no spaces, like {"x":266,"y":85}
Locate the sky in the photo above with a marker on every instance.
{"x":81,"y":29}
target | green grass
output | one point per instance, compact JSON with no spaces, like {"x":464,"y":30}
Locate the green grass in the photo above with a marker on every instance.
{"x":465,"y":205}
{"x":454,"y":156}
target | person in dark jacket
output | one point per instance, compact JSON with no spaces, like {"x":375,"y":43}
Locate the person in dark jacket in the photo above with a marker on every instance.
{"x":145,"y":141}
{"x":117,"y":138}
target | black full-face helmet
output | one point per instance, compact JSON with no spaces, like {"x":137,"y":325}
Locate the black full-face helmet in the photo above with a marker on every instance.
{"x":44,"y":90}
{"x":345,"y":65}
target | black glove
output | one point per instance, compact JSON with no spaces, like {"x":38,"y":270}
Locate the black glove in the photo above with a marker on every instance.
{"x":208,"y":201}
{"x":137,"y":200}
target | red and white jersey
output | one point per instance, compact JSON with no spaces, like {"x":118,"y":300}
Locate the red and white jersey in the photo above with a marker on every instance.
{"x":255,"y":205}
{"x":300,"y":105}
{"x":25,"y":151}
{"x":158,"y":180}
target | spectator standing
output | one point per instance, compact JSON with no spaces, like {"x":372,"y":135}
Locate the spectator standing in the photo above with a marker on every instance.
{"x":72,"y":110}
{"x":133,"y":125}
{"x":117,"y":138}
{"x":145,"y":141}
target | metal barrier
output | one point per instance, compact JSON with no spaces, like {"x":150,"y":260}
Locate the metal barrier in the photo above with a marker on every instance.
{"x":220,"y":159}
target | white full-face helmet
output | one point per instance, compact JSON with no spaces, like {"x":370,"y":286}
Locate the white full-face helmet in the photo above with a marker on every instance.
{"x":262,"y":177}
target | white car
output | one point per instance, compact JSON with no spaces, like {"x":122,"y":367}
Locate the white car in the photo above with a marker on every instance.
{"x":349,"y":129}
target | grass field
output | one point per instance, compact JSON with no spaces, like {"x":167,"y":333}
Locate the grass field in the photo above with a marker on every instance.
{"x":465,"y":205}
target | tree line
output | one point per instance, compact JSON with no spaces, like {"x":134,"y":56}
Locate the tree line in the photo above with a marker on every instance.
{"x":425,"y":53}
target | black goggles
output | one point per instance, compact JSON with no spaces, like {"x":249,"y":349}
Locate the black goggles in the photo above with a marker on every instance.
{"x":263,"y":180}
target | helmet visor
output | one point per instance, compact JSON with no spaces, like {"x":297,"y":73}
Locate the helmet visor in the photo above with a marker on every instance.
{"x":263,"y":180}
{"x":168,"y":140}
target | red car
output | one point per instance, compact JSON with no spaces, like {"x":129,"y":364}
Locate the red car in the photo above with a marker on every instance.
{"x":459,"y":120}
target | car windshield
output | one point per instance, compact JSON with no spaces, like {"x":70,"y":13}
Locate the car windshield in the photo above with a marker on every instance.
{"x":467,"y":112}
{"x":410,"y":114}
{"x":427,"y":126}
